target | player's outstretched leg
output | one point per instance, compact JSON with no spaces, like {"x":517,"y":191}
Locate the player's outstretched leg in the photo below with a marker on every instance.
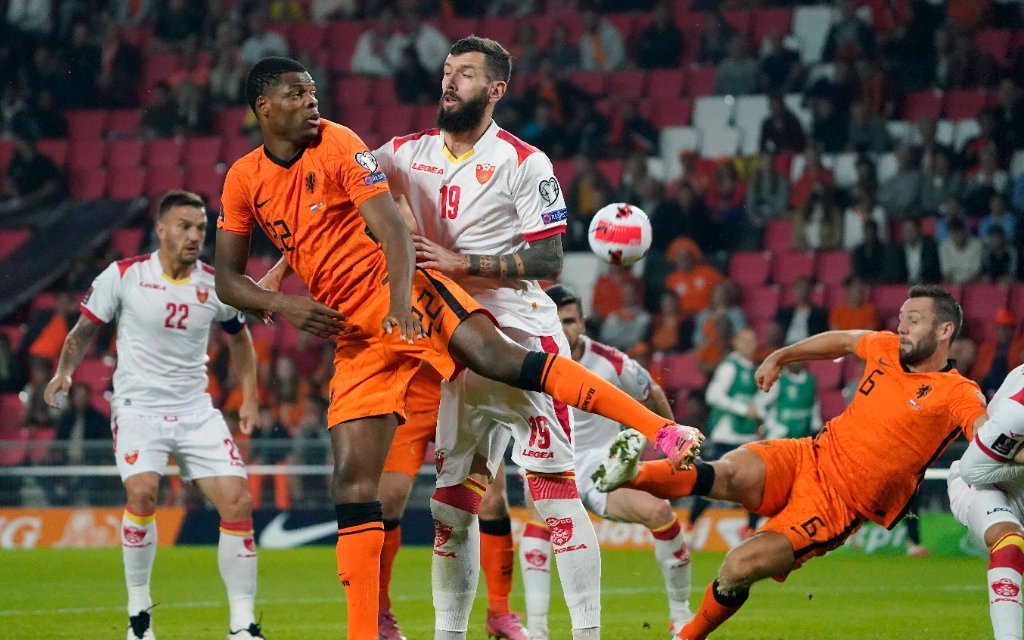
{"x":138,"y":550}
{"x":455,"y":569}
{"x":478,"y":344}
{"x":497,"y":559}
{"x":575,"y":545}
{"x":1005,"y":565}
{"x":535,"y":565}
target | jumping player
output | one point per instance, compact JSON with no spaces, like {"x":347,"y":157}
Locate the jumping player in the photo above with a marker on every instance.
{"x":320,"y":195}
{"x":986,"y":493}
{"x":866,"y":463}
{"x":164,"y":304}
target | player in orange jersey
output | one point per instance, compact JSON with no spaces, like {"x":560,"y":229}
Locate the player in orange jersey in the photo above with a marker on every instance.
{"x":866,"y":464}
{"x":318,"y":193}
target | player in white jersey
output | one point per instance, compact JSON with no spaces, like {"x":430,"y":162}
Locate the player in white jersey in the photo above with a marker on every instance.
{"x":986,"y":494}
{"x":593,"y":436}
{"x":164,"y":304}
{"x":491,"y":215}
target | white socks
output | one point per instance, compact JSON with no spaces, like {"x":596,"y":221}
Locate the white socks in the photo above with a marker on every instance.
{"x":455,"y":570}
{"x":138,"y":548}
{"x":535,"y":564}
{"x":236,"y":558}
{"x":673,"y":558}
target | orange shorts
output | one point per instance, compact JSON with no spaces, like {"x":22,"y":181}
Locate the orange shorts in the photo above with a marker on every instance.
{"x":372,"y":369}
{"x":800,"y":505}
{"x":409,"y":445}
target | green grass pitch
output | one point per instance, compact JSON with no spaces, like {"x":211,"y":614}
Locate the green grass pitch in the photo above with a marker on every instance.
{"x":63,"y":593}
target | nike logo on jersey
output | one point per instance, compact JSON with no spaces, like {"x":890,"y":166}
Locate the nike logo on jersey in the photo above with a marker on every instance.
{"x":275,"y":536}
{"x":882,"y":362}
{"x":259,"y":205}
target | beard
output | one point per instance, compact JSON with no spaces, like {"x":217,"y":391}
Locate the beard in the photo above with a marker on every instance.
{"x":462,"y":117}
{"x":921,"y":351}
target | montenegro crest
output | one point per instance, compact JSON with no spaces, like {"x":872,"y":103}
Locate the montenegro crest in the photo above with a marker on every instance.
{"x":202,"y":293}
{"x":561,"y":530}
{"x":484,"y":171}
{"x":131,"y":456}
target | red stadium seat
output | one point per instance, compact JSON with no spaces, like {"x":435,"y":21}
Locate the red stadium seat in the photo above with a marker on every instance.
{"x":164,"y":152}
{"x":835,"y":295}
{"x":611,"y":170}
{"x":681,"y":372}
{"x":235,"y":147}
{"x":88,"y":184}
{"x":767,"y":20}
{"x":790,"y":265}
{"x":86,"y":154}
{"x":164,"y":179}
{"x":679,"y":405}
{"x":124,"y":122}
{"x":738,"y":19}
{"x":670,"y":111}
{"x":628,"y":85}
{"x":624,"y":22}
{"x":86,"y":125}
{"x":832,"y":404}
{"x":383,"y":92}
{"x":56,"y":150}
{"x":922,"y":104}
{"x":760,"y":302}
{"x":156,"y":68}
{"x":964,"y":104}
{"x":455,"y":28}
{"x":97,"y":373}
{"x":43,"y":300}
{"x":981,"y":301}
{"x":360,"y":119}
{"x":124,"y":153}
{"x":832,"y":267}
{"x":202,"y":150}
{"x":6,"y":153}
{"x":994,"y":42}
{"x":352,"y":90}
{"x":501,"y":29}
{"x":701,"y":81}
{"x":425,"y":118}
{"x":11,"y":412}
{"x":1016,"y":303}
{"x":778,"y":236}
{"x":591,"y":82}
{"x":818,"y":295}
{"x":207,"y":181}
{"x":342,"y":37}
{"x":394,"y":120}
{"x":11,"y":239}
{"x":828,"y":374}
{"x":665,"y":83}
{"x":229,"y":122}
{"x":13,"y":333}
{"x":306,"y":35}
{"x":749,"y":267}
{"x":125,"y":183}
{"x":888,"y":298}
{"x":127,"y":242}
{"x":564,"y":170}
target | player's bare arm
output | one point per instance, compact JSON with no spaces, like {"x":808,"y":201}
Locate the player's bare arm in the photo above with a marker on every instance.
{"x":657,"y":402}
{"x":542,"y":260}
{"x":824,"y":346}
{"x":243,"y":361}
{"x":386,"y":224}
{"x":274,"y":278}
{"x":241,"y":292}
{"x":76,"y":345}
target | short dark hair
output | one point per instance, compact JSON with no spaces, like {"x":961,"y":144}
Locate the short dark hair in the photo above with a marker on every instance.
{"x":179,"y":198}
{"x":265,"y":74}
{"x":946,"y":308}
{"x":562,"y":295}
{"x":499,"y":62}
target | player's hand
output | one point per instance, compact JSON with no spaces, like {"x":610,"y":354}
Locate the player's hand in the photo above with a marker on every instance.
{"x":247,"y":415}
{"x":271,"y":281}
{"x":409,"y":326}
{"x":767,"y":373}
{"x":60,"y":383}
{"x":431,"y":255}
{"x":313,"y":317}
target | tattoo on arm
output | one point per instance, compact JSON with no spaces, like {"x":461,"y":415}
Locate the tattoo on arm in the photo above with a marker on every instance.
{"x":76,"y":345}
{"x":542,"y":259}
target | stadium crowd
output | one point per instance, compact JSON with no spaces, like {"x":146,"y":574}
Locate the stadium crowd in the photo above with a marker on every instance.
{"x":887,"y":151}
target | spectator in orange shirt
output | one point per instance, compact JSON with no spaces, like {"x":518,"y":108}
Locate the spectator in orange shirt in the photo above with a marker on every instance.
{"x":856,"y":312}
{"x":692,"y":281}
{"x":608,"y":290}
{"x":998,"y":355}
{"x":50,"y":337}
{"x":814,"y":173}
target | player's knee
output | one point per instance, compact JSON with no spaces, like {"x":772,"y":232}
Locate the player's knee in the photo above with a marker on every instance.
{"x":736,"y":572}
{"x":345,"y":488}
{"x":141,"y":499}
{"x":492,"y":506}
{"x":659,"y":515}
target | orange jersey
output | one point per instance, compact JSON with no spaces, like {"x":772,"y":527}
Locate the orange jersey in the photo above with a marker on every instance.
{"x":309,"y":208}
{"x":874,"y":454}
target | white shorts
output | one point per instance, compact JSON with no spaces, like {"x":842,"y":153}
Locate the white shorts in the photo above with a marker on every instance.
{"x":478,"y":415}
{"x":587,"y":463}
{"x":200,"y":443}
{"x":979,"y":507}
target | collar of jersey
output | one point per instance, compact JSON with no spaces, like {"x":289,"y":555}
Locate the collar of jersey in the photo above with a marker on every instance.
{"x":284,"y":164}
{"x":173,"y":281}
{"x":451,"y":156}
{"x":950,"y":365}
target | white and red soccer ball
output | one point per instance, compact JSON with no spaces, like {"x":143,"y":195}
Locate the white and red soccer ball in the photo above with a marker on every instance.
{"x":620,"y":233}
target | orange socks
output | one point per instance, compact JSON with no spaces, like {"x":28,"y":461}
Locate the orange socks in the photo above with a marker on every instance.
{"x":497,"y":560}
{"x":360,"y":539}
{"x":660,"y":479}
{"x":566,"y":380}
{"x":714,"y":610}
{"x":392,"y":540}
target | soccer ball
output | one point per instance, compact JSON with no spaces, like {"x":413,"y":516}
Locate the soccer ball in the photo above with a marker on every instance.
{"x":620,"y":233}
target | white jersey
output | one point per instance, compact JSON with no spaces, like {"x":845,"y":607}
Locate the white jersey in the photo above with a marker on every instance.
{"x":162,"y":336}
{"x":593,"y":432}
{"x":494,"y":200}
